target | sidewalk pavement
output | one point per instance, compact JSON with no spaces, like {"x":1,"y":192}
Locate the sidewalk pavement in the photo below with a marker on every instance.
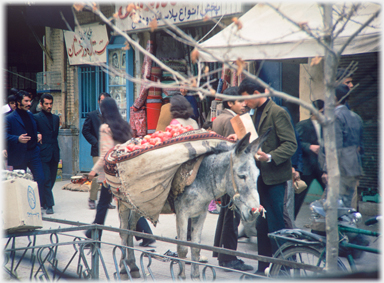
{"x":73,"y":206}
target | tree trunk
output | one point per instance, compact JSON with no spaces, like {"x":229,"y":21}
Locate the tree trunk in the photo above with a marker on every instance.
{"x":330,"y":66}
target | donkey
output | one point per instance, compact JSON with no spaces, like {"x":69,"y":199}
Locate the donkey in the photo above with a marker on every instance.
{"x":228,"y":170}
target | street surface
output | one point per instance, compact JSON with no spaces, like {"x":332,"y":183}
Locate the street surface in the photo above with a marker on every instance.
{"x":73,"y":206}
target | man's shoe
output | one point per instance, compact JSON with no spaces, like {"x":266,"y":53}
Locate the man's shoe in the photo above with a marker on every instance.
{"x":49,"y":210}
{"x":111,"y":206}
{"x":146,"y":242}
{"x":91,"y":204}
{"x":237,"y":264}
{"x":170,"y":253}
{"x":214,"y":211}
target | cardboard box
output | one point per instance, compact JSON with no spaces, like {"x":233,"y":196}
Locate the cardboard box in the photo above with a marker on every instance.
{"x":243,"y":124}
{"x":21,"y":209}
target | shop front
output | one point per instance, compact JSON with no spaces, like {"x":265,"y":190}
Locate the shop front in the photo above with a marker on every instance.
{"x":93,"y":51}
{"x":102,"y":61}
{"x":171,"y":52}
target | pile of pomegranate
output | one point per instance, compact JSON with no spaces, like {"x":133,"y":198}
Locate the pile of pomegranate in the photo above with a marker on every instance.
{"x":157,"y":137}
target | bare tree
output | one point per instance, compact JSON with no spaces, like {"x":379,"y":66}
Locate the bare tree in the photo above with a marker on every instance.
{"x":325,"y":38}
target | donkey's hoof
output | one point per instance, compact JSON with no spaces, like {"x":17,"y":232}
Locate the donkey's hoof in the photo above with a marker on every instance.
{"x":135,"y":274}
{"x":125,"y":276}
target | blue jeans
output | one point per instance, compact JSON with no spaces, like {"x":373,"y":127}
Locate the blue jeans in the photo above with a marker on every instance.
{"x":272,"y":199}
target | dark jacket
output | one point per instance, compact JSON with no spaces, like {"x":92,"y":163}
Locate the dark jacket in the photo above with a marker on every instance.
{"x":14,"y":127}
{"x":308,"y":137}
{"x":281,"y":144}
{"x":297,"y":158}
{"x":192,"y":100}
{"x":90,"y":131}
{"x":49,"y":148}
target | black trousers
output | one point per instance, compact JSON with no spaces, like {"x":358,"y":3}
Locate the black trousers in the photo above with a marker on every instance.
{"x":33,"y":162}
{"x":101,"y":209}
{"x":50,"y":172}
{"x":308,"y":179}
{"x":142,"y":226}
{"x":226,"y":230}
{"x":272,"y":199}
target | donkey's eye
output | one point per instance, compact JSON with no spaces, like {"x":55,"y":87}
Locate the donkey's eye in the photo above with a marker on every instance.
{"x":242,"y":176}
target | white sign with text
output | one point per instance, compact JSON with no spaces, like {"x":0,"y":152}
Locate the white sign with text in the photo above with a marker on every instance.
{"x":87,"y":44}
{"x":175,"y":12}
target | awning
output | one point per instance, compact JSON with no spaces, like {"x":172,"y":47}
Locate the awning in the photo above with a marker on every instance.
{"x":268,"y":35}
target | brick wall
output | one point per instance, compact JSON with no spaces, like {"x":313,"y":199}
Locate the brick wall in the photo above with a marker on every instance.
{"x":54,"y":42}
{"x":68,"y":108}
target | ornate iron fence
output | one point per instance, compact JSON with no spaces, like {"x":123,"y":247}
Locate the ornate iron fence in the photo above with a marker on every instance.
{"x":25,"y":259}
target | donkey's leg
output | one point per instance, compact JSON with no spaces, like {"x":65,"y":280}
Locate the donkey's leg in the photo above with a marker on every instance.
{"x":197,"y":229}
{"x":126,"y":219}
{"x":182,"y":227}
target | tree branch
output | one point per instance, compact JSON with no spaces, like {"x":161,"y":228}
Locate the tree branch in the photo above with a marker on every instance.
{"x":303,"y":28}
{"x":375,"y":15}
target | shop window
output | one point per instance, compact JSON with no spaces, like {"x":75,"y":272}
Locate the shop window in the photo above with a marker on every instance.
{"x":120,"y":62}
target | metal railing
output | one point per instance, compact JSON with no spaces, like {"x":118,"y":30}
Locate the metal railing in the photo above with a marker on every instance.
{"x":44,"y":261}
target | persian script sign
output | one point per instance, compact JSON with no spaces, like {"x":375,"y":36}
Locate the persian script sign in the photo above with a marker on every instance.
{"x":175,"y":12}
{"x":87,"y":44}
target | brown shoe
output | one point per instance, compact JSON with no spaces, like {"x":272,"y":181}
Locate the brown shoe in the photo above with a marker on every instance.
{"x":111,"y":206}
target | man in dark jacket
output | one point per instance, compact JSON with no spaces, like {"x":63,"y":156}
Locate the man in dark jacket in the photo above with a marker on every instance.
{"x":229,"y":220}
{"x":310,"y":138}
{"x":22,"y":139}
{"x":274,"y":162}
{"x":90,"y":132}
{"x":48,"y":126}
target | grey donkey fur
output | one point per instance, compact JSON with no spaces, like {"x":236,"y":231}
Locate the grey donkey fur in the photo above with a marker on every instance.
{"x":214,"y":179}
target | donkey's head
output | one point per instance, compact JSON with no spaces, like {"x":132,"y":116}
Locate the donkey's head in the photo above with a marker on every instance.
{"x":243,"y":175}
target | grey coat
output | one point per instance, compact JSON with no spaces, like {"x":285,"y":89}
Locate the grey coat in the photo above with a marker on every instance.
{"x":349,"y":141}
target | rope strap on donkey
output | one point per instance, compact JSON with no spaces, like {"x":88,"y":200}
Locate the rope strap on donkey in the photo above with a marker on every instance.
{"x":230,"y":204}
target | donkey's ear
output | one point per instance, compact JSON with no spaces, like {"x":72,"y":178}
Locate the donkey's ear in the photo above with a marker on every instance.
{"x":256,"y":144}
{"x":242,"y":144}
